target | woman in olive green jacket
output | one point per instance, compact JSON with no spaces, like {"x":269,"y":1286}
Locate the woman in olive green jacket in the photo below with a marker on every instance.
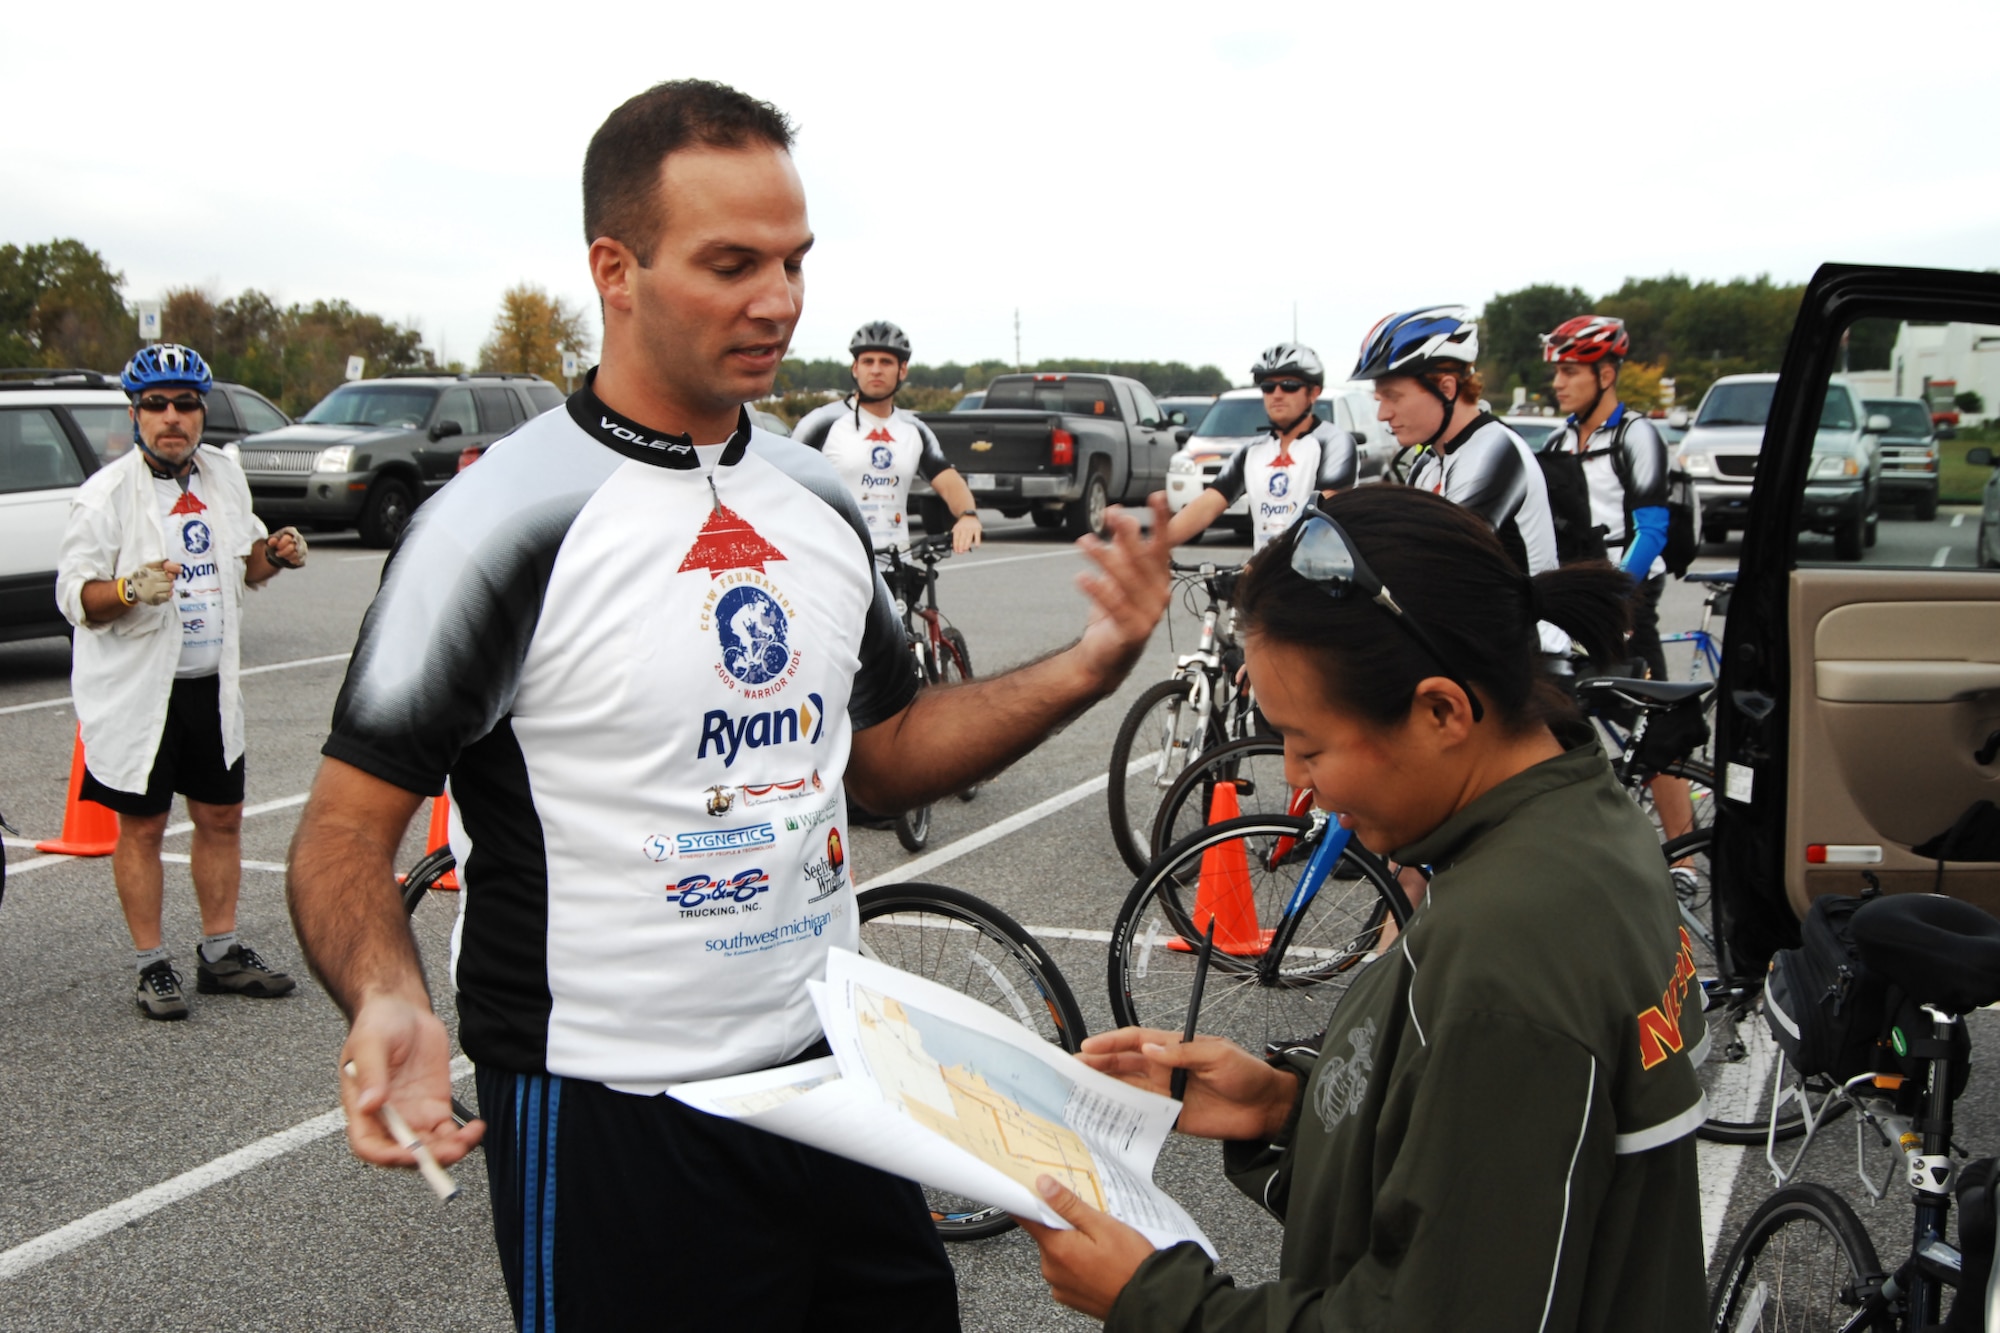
{"x":1498,"y":1132}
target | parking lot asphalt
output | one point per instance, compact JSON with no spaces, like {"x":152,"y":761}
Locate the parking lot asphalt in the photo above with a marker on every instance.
{"x":187,"y":1175}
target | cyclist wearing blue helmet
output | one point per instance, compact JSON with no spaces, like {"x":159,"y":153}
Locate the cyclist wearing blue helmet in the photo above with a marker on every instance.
{"x":159,"y":546}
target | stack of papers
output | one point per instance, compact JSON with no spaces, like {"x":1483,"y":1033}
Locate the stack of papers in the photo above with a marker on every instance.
{"x":930,"y":1084}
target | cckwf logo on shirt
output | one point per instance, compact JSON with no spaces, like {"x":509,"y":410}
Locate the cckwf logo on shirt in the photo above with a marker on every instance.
{"x":1281,"y":483}
{"x":880,"y":458}
{"x":195,"y":536}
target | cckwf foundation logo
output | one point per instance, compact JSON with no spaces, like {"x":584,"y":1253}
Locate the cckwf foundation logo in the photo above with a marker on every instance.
{"x":752,"y":622}
{"x":1281,"y":482}
{"x":196,"y":537}
{"x":880,"y":458}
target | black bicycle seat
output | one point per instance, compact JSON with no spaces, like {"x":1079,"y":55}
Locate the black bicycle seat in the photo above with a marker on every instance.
{"x":1650,"y":695}
{"x":1940,"y":950}
{"x":1720,"y":576}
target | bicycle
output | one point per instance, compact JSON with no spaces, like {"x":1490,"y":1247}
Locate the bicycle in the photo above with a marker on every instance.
{"x":1297,"y":906}
{"x":937,"y":648}
{"x":959,"y":941}
{"x":1651,"y":727}
{"x":933,"y":931}
{"x":1804,"y":1261}
{"x":1707,"y":649}
{"x":1196,"y":709}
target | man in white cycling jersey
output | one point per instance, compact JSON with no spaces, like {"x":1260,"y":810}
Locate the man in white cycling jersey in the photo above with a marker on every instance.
{"x":878,"y":448}
{"x":1299,"y":457}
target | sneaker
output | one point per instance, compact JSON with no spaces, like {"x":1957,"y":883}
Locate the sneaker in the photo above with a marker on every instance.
{"x":159,"y":993}
{"x":240,"y":972}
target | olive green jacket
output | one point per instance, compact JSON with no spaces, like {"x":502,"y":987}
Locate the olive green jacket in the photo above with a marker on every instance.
{"x":1498,"y":1133}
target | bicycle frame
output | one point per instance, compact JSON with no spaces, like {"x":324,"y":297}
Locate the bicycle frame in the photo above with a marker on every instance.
{"x":1333,"y":839}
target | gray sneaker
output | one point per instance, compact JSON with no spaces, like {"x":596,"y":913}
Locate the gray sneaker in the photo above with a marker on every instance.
{"x":159,"y":993}
{"x":240,"y":972}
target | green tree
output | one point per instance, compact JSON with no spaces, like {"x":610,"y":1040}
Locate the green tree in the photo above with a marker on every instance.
{"x":1510,"y":330}
{"x":61,"y":305}
{"x":532,"y":331}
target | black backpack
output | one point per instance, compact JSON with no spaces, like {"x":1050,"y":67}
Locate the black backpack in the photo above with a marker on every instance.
{"x":1578,"y":538}
{"x":1826,"y":1009}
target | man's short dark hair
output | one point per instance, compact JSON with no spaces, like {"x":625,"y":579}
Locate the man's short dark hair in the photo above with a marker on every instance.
{"x":621,"y":169}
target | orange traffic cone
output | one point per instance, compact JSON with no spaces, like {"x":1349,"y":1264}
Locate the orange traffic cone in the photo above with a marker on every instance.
{"x":1223,"y":894}
{"x":89,"y":829}
{"x":440,"y":836}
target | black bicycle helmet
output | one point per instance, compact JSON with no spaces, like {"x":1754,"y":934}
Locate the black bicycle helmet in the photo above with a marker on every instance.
{"x":880,"y":336}
{"x":1282,"y":359}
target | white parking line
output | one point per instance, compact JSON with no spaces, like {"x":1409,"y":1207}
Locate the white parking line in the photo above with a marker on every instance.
{"x":1958,"y":520}
{"x":247,"y":671}
{"x":1944,"y":554}
{"x":182,"y":858}
{"x":34,"y":1253}
{"x":993,"y":832}
{"x":262,"y":808}
{"x":1007,"y":560}
{"x":372,"y":555}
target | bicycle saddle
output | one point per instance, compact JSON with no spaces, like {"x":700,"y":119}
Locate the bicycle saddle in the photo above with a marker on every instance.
{"x":1651,"y":695}
{"x":1941,"y":951}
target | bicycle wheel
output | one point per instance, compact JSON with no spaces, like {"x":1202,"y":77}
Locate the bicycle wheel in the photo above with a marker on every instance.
{"x":1701,"y":794}
{"x":1159,"y":729}
{"x":1743,"y":1067}
{"x":1256,"y":764}
{"x":954,"y":667}
{"x":1803,"y":1264}
{"x":976,"y":949}
{"x":913,"y":828}
{"x":1253,"y":996}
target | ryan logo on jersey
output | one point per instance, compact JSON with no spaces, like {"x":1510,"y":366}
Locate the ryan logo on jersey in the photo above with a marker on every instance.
{"x":728,"y":735}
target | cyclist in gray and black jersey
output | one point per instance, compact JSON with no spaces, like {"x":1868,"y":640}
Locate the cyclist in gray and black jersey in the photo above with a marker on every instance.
{"x":1299,"y":457}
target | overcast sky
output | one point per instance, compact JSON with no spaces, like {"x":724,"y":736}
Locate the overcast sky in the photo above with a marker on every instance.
{"x":1146,"y":181}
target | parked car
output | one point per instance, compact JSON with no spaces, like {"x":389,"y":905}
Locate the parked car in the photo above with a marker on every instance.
{"x":1192,"y":407}
{"x":1722,"y":447}
{"x":1673,"y":426}
{"x":56,"y":428}
{"x":1061,"y":447}
{"x":972,"y":402}
{"x":1856,"y":702}
{"x":1535,"y":432}
{"x":1909,"y":454}
{"x":370,"y":452}
{"x":1238,"y":418}
{"x":234,"y":411}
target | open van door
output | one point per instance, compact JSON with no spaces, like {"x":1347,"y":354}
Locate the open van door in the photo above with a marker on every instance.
{"x":1859,"y":713}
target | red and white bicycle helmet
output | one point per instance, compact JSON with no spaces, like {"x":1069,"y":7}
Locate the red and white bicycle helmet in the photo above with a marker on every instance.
{"x":1587,"y":338}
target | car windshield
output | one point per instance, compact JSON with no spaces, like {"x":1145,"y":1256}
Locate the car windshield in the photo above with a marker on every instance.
{"x":1743,"y":404}
{"x":372,"y":405}
{"x":1905,"y":418}
{"x":1837,"y":412}
{"x":1233,"y":418}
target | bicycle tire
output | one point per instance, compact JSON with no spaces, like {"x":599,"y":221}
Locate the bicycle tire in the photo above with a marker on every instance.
{"x":1134,"y":798}
{"x":1702,"y":795}
{"x":418,"y":881}
{"x":955,"y":668}
{"x":913,"y":828}
{"x":1802,"y":1264}
{"x":946,"y":950}
{"x":1152,"y":955}
{"x":1256,"y":764}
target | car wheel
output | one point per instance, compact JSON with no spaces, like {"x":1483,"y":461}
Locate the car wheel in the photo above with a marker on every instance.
{"x":1927,"y":507}
{"x":1086,"y":515}
{"x":1873,"y":530}
{"x":1713,"y":534}
{"x":1849,"y":539}
{"x":387,"y":513}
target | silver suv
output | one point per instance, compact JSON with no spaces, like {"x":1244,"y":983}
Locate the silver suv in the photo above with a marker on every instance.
{"x":1843,"y":491}
{"x":370,"y":452}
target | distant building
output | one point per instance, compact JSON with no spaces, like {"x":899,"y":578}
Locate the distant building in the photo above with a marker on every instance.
{"x":1968,"y":354}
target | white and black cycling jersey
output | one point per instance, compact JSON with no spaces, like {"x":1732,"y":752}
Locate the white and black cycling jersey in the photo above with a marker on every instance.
{"x":640,"y":663}
{"x":876,"y":459}
{"x":1489,"y":469}
{"x":1625,"y":466}
{"x":1281,"y":479}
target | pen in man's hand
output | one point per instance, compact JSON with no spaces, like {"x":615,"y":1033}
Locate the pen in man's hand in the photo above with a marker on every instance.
{"x":1179,"y":1081}
{"x":399,"y":1129}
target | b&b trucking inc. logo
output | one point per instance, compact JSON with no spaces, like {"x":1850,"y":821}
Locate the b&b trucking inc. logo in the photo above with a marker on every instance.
{"x":704,"y":895}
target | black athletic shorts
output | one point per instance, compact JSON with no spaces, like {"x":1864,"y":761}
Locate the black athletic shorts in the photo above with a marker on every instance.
{"x":615,"y":1211}
{"x":189,"y":760}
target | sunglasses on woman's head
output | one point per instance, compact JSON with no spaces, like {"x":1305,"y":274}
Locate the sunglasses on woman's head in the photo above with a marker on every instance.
{"x":183,"y":403}
{"x":1324,"y":556}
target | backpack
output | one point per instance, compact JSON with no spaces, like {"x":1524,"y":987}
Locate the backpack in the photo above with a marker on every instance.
{"x":1826,"y":1009}
{"x":1577,"y":538}
{"x":1683,"y":523}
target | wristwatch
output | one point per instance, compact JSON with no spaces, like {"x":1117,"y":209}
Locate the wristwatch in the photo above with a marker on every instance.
{"x":126,"y":594}
{"x":970,"y":513}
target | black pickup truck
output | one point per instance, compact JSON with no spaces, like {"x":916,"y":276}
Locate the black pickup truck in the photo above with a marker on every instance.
{"x":1061,"y":447}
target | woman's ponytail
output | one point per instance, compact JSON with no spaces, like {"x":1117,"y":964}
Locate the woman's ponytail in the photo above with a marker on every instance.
{"x":1591,"y":603}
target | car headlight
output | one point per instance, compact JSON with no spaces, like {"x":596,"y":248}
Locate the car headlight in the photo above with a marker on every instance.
{"x":1181,"y":463}
{"x":1697,"y":465}
{"x":335,"y":459}
{"x":1834,"y":465}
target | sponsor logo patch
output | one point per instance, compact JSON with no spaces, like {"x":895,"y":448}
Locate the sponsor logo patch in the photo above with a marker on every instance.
{"x":828,"y":873}
{"x":703,"y":895}
{"x":728,"y":735}
{"x":752,"y":622}
{"x":719,"y":841}
{"x":808,"y":926}
{"x":880,"y":458}
{"x":809,"y":820}
{"x":1280,"y":483}
{"x":196,"y":537}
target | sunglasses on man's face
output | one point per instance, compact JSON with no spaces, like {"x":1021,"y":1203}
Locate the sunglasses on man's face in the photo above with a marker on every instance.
{"x":184,"y":404}
{"x":1282,"y":386}
{"x":1324,"y":556}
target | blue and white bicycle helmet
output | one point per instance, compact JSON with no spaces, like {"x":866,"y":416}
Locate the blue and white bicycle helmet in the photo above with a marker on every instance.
{"x":1411,"y":342}
{"x":166,"y":365}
